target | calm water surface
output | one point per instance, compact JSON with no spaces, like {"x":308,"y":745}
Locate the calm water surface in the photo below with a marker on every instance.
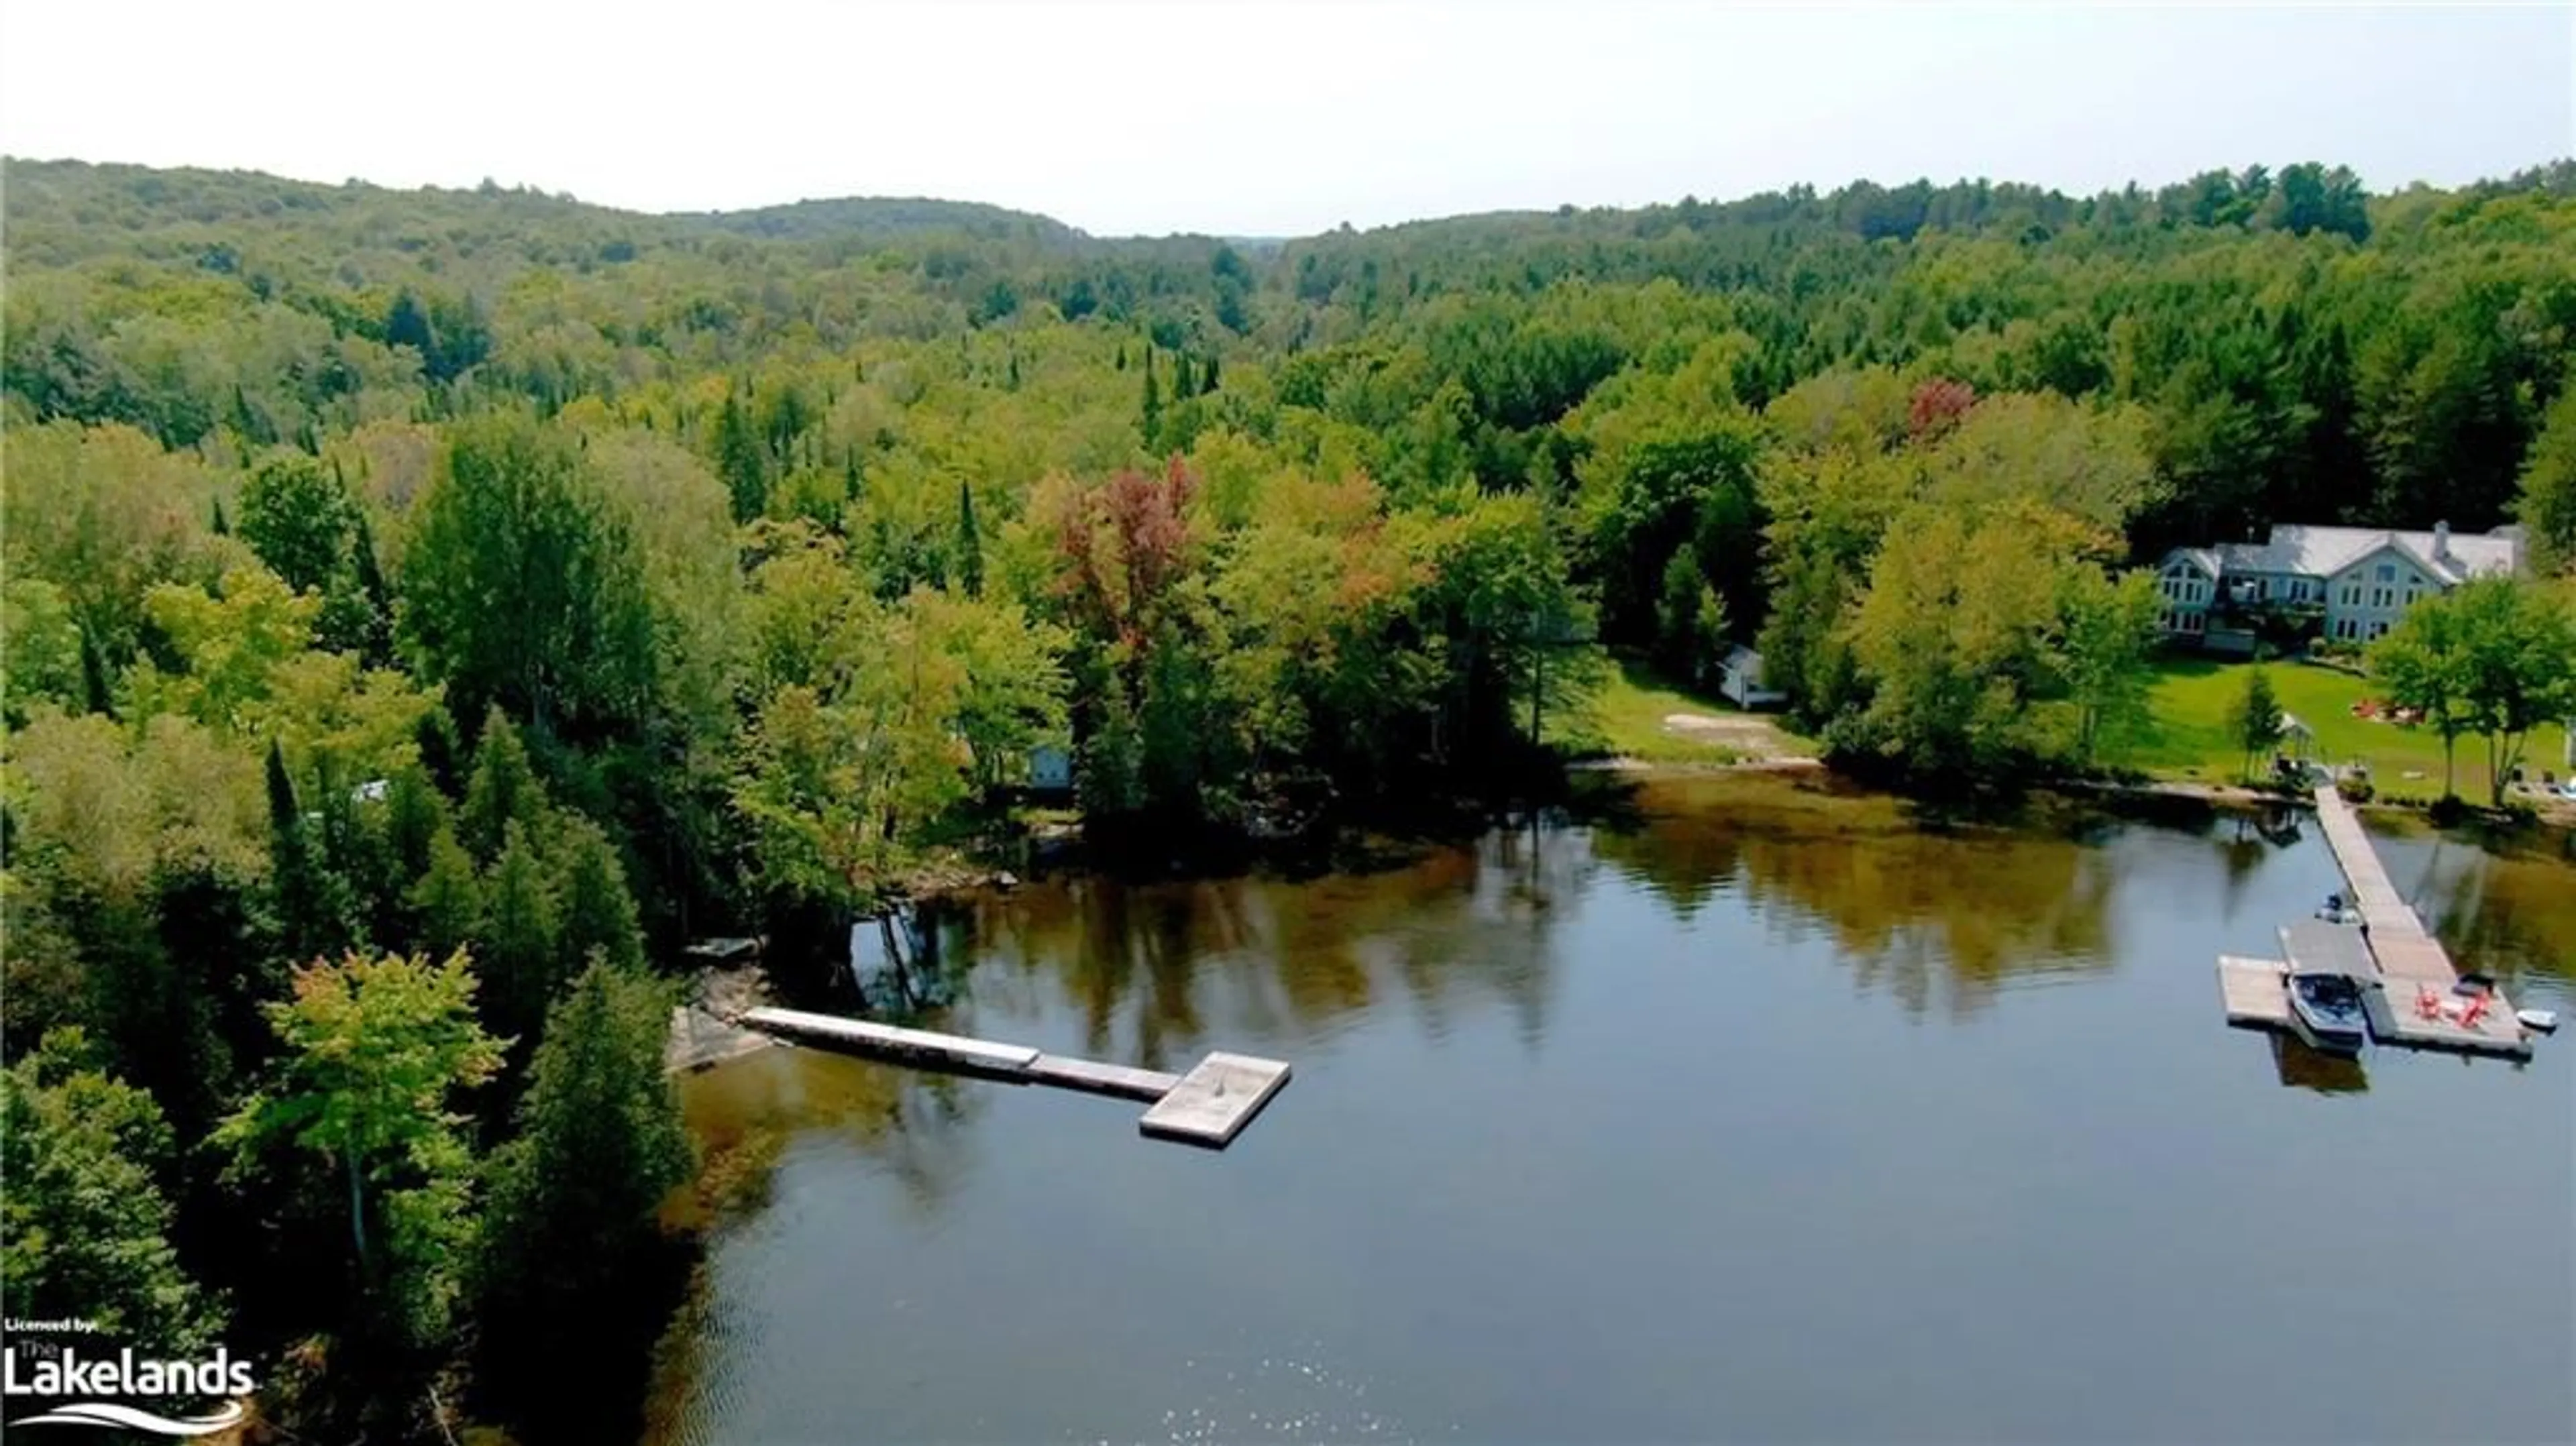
{"x":1760,"y":1115}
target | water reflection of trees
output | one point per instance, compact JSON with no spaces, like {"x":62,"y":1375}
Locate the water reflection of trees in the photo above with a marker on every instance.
{"x":915,"y":1123}
{"x":2511,"y":913}
{"x":1161,"y":970}
{"x":1924,"y":914}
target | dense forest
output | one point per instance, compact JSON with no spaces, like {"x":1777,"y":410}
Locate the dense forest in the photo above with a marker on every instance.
{"x":425,"y":610}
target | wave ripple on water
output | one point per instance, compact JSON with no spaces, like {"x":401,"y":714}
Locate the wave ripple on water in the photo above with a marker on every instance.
{"x":1276,"y":1399}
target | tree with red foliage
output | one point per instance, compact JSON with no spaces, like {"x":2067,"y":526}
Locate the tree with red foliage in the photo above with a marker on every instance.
{"x":1937,"y":407}
{"x":1125,"y":543}
{"x":1129,"y":550}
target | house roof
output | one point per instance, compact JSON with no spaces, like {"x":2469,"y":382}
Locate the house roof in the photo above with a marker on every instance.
{"x":1739,"y":658}
{"x":2321,"y":551}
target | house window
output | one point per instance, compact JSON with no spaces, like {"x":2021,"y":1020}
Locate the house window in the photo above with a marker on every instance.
{"x":2351,"y":596}
{"x":2378,"y":629}
{"x":2413,"y":593}
{"x":2382,"y":597}
{"x":2193,"y":622}
{"x":2388,"y":572}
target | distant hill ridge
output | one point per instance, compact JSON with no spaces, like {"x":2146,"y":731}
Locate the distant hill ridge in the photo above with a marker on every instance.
{"x":1872,"y":210}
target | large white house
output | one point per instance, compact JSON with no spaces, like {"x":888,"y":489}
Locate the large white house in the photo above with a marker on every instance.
{"x":2362,"y":578}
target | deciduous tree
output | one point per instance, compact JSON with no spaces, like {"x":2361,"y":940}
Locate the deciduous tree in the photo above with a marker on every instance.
{"x":378,"y":1052}
{"x":2423,"y":664}
{"x":521,"y":587}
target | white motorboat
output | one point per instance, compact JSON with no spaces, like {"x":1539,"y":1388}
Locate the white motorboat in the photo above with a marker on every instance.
{"x":2326,"y":966}
{"x":2327,"y":1005}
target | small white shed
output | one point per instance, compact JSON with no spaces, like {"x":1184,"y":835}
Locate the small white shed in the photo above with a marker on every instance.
{"x":1050,"y":769}
{"x":1739,"y":678}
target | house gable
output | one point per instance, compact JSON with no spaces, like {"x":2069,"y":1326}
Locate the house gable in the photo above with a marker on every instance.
{"x":2187,"y":578}
{"x":2393,"y":569}
{"x":2185,"y":560}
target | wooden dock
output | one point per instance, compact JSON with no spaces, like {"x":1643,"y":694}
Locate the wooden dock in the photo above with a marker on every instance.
{"x":1209,"y":1106}
{"x":913,"y":1046}
{"x":2405,"y":963}
{"x":1149,"y":1085}
{"x":700,"y":1039}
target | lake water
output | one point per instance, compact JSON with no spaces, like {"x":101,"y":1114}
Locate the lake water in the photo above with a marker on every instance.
{"x":1756,"y":1114}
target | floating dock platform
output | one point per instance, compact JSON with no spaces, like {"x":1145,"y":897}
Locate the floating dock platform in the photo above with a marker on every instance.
{"x":2405,"y":963}
{"x":1214,"y":1102}
{"x":2256,"y":991}
{"x":1208,"y":1106}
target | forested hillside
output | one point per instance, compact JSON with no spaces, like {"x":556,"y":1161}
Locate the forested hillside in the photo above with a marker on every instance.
{"x":485,"y":591}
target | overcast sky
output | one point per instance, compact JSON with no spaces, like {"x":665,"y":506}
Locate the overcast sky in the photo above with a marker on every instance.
{"x":1275,"y":119}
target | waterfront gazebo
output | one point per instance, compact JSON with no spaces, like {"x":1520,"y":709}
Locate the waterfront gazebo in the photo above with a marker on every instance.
{"x":2298,"y":740}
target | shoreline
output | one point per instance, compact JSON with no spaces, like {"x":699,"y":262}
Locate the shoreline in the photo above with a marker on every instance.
{"x":957,"y":875}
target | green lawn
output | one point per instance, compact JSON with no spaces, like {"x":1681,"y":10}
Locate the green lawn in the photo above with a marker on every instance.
{"x":2192,"y":696}
{"x":1626,"y":720}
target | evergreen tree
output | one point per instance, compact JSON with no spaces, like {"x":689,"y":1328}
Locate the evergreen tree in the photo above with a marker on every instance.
{"x":574,"y":1244}
{"x":346,"y":621}
{"x":309,"y":900}
{"x":742,"y":460}
{"x":1151,"y":416}
{"x":407,"y":324}
{"x":503,"y":791}
{"x":435,"y":736}
{"x":414,"y":815}
{"x":223,"y":527}
{"x":1207,"y":376}
{"x":598,"y":918}
{"x":970,"y":544}
{"x":447,"y":901}
{"x":251,"y":426}
{"x":1182,"y":385}
{"x":97,"y":694}
{"x":522,"y":931}
{"x":599,"y":1145}
{"x":88,"y":1230}
{"x":377,"y":645}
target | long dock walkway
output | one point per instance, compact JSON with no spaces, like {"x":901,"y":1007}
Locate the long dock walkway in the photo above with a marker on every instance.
{"x":2410,"y":989}
{"x":1208,"y":1106}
